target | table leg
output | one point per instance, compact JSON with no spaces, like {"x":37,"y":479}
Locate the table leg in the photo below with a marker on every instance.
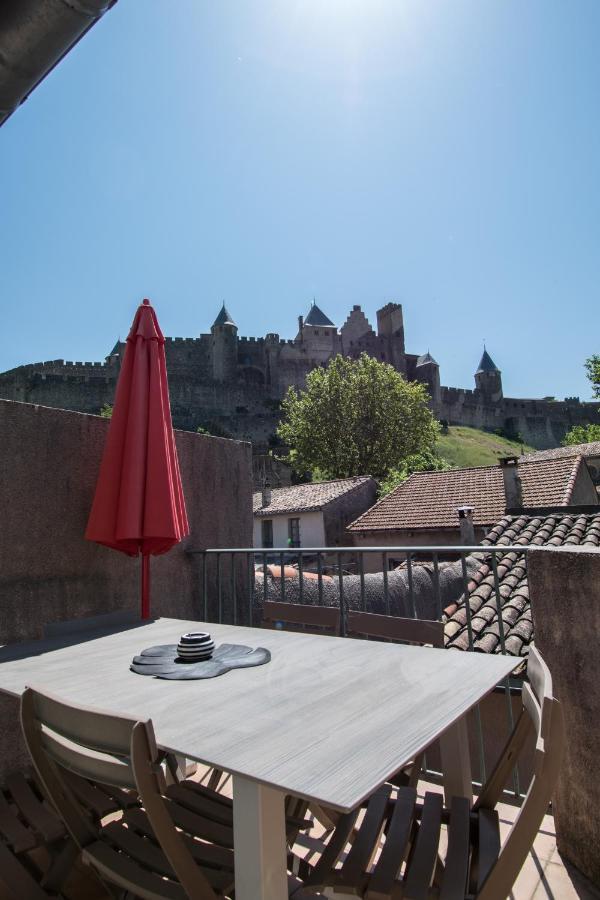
{"x":259,"y":841}
{"x":456,"y":761}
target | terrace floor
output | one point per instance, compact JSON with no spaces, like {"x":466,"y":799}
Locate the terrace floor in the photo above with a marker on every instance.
{"x":545,"y":875}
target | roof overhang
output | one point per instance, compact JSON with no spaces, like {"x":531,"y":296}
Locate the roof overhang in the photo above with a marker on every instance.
{"x":34,"y":37}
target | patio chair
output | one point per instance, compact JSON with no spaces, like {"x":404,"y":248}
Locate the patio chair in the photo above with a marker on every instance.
{"x":176,"y":841}
{"x":313,"y":619}
{"x":30,"y":835}
{"x":407,"y":833}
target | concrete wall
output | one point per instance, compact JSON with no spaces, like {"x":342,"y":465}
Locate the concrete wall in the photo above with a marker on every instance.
{"x":564,"y":588}
{"x":49,"y":461}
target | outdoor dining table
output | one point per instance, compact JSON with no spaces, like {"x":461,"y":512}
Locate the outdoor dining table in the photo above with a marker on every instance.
{"x":327,"y":719}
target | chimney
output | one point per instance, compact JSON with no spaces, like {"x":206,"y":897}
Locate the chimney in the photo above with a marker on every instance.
{"x":513,"y":489}
{"x":467,"y":529}
{"x":300,"y":325}
{"x":266,"y":494}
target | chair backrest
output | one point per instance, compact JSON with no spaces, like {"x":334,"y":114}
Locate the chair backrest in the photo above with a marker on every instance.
{"x":313,"y":618}
{"x":112,"y":750}
{"x":413,"y":631}
{"x":541,"y":716}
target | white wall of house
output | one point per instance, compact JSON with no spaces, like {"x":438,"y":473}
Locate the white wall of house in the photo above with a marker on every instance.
{"x":312,"y":529}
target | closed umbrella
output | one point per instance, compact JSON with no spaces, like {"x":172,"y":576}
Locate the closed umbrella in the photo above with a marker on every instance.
{"x":139,"y":506}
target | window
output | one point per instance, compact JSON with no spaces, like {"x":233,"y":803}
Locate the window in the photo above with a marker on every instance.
{"x":294,"y":532}
{"x":267,"y":532}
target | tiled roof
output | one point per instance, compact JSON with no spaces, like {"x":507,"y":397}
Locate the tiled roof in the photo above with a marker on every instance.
{"x":224,"y":318}
{"x":591,"y":449}
{"x":306,"y":497}
{"x":430,"y":499}
{"x":487,"y":364}
{"x":516,"y":620}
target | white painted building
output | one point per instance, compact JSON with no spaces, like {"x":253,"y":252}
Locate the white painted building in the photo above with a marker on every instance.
{"x":310,"y":515}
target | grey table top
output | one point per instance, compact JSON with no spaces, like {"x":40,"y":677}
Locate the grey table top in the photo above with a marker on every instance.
{"x":329,"y":719}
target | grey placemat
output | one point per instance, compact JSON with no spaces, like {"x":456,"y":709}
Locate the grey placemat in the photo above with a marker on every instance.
{"x":162,"y":662}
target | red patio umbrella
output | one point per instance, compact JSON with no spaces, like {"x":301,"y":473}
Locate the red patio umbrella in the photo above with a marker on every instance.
{"x":139,"y":505}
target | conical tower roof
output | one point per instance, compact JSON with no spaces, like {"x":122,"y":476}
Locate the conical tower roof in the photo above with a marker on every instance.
{"x":316,"y":316}
{"x":426,"y":358}
{"x":487,"y":364}
{"x":224,"y":318}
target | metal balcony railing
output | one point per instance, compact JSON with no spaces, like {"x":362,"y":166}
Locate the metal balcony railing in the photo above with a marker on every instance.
{"x":236,"y":581}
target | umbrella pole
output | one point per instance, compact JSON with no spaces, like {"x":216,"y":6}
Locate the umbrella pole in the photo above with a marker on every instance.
{"x":145,"y":586}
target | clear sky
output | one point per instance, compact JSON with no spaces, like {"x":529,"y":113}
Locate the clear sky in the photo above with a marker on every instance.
{"x":444,"y":154}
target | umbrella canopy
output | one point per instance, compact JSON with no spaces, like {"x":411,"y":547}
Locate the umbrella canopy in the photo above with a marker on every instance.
{"x":139,"y":505}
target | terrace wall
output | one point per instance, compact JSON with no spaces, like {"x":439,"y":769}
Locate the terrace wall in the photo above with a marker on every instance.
{"x":564,"y":587}
{"x":49,"y":461}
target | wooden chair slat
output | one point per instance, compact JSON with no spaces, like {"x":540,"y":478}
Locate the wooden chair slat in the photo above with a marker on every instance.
{"x":366,"y":842}
{"x":423,"y":858}
{"x":456,"y":866}
{"x":104,"y":732}
{"x":488,"y":843}
{"x":18,"y":836}
{"x":36,"y":814}
{"x":121,"y":870}
{"x":15,"y":880}
{"x":203,"y":806}
{"x":320,"y":874}
{"x":90,"y":764}
{"x":193,"y":823}
{"x":326,"y":617}
{"x":202,"y":851}
{"x":98,"y":802}
{"x":416,"y":631}
{"x":397,"y":845}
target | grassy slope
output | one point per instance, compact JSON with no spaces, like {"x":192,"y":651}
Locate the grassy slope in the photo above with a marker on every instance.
{"x":471,"y":447}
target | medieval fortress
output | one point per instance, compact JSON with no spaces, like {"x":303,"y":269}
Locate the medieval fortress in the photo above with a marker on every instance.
{"x":233,"y":385}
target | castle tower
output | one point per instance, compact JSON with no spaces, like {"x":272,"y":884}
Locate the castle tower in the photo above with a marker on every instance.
{"x":224,"y":332}
{"x":427,"y":371}
{"x":318,"y":335}
{"x":488,"y":378}
{"x":390,"y":330}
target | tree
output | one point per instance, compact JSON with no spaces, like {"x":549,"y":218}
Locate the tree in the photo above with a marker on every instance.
{"x":592,"y":365}
{"x":106,"y":411}
{"x":418,"y":462}
{"x":585,"y":434}
{"x":356,"y":417}
{"x":581,"y":434}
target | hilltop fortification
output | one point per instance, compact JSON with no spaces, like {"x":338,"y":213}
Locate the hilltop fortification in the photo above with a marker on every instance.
{"x":233,"y":385}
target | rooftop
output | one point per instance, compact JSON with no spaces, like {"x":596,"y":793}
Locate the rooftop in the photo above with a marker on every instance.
{"x":316,"y":316}
{"x":587,"y":450}
{"x":306,"y":497}
{"x":487,"y":364}
{"x":516,"y":623}
{"x":429,"y":500}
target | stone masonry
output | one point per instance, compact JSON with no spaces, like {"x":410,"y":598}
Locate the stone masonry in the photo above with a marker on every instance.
{"x":233,"y":386}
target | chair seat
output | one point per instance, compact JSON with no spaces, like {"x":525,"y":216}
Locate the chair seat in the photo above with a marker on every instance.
{"x":395,"y":849}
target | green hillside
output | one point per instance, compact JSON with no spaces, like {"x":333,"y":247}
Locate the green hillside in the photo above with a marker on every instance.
{"x":471,"y":447}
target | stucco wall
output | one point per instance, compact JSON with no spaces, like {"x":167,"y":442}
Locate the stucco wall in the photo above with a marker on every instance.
{"x":443,"y":537}
{"x":49,"y":461}
{"x":564,"y":588}
{"x":312,"y":532}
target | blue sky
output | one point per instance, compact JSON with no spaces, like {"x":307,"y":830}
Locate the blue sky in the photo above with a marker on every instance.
{"x":443,"y":154}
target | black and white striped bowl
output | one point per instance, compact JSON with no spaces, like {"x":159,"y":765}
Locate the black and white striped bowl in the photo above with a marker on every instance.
{"x":195,"y":646}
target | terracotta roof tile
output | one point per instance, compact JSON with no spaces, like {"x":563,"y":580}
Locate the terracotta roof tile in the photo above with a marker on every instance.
{"x":512,"y":617}
{"x":306,"y":497}
{"x":591,"y":449}
{"x":430,"y":499}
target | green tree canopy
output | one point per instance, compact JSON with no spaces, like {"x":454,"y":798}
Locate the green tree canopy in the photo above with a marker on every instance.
{"x":592,"y":366}
{"x":356,"y":417}
{"x":585,"y":434}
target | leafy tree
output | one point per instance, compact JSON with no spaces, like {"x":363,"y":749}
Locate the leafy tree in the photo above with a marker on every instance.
{"x":106,"y":411}
{"x":585,"y":434}
{"x":356,"y":417}
{"x":418,"y":462}
{"x":592,"y":366}
{"x":581,"y":434}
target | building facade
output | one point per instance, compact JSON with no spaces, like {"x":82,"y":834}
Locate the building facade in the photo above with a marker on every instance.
{"x":233,"y":385}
